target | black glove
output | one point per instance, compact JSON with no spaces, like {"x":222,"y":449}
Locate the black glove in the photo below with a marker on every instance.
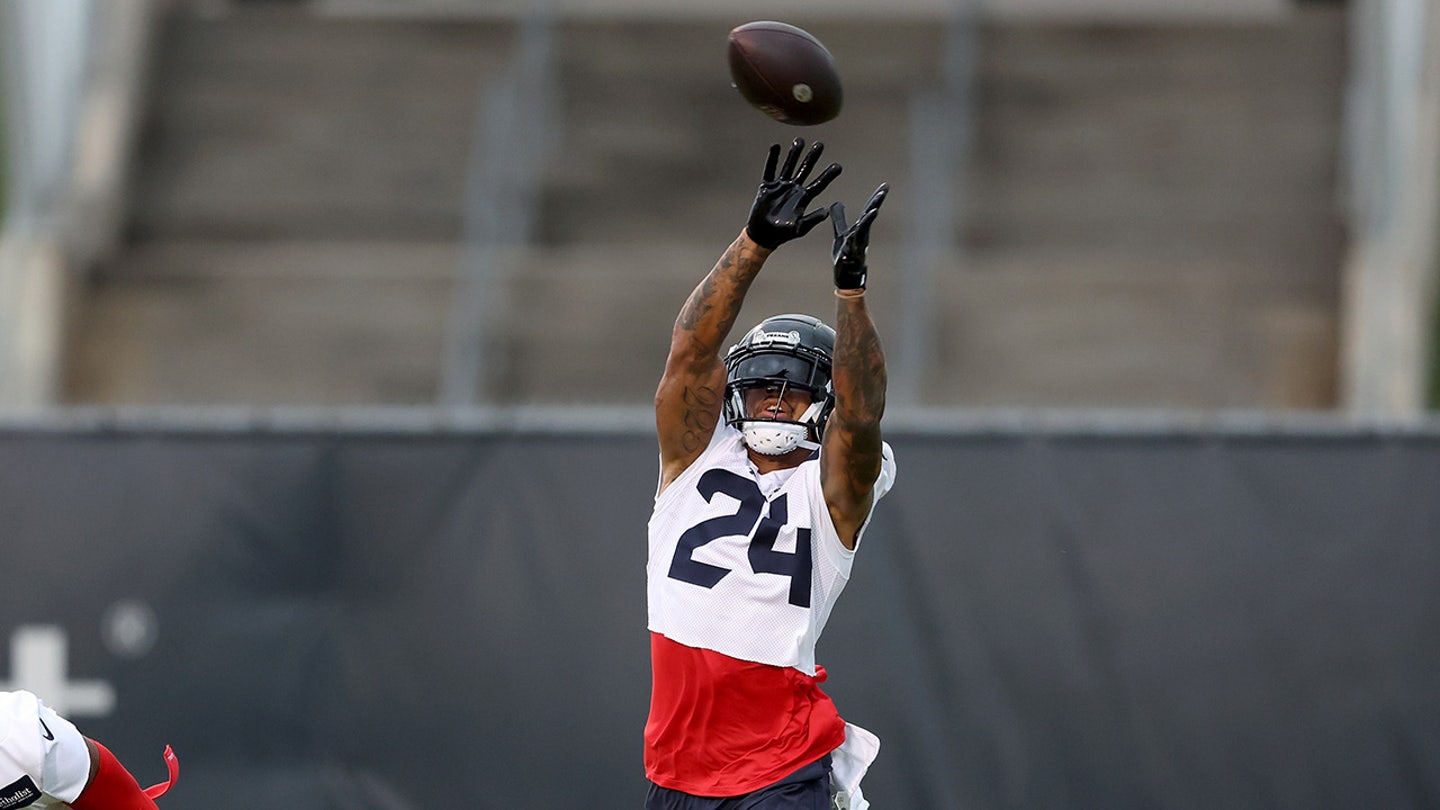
{"x":778,"y":214}
{"x":852,"y":243}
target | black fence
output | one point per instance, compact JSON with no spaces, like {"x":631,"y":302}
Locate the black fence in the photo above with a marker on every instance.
{"x":453,"y":616}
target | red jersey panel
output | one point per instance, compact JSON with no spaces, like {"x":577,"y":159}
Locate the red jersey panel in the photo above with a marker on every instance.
{"x":720,"y":726}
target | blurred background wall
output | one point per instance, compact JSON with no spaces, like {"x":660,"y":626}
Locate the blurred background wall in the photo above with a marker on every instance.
{"x":425,"y":615}
{"x":1098,"y":204}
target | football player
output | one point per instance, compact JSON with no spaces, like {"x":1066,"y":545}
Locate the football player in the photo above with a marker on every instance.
{"x":771,"y":462}
{"x":46,"y":762}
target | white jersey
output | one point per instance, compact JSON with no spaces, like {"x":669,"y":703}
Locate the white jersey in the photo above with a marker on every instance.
{"x":745,"y":564}
{"x":43,"y":758}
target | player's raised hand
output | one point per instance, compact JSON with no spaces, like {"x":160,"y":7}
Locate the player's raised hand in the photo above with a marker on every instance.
{"x":778,"y":214}
{"x":852,"y":242}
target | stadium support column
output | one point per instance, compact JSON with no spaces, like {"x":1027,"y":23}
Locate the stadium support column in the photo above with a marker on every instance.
{"x":512,"y":138}
{"x":71,"y":72}
{"x":44,"y":58}
{"x":941,"y":126}
{"x":1393,"y":165}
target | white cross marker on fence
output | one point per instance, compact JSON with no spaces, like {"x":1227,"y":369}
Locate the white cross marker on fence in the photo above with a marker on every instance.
{"x":39,"y":662}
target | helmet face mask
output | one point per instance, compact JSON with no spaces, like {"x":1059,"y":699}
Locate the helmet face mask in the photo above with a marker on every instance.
{"x":793,"y":352}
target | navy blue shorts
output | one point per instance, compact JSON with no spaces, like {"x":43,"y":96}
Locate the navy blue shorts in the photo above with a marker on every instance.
{"x":805,"y":789}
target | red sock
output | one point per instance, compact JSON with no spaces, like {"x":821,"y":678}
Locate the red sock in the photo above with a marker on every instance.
{"x":113,"y":788}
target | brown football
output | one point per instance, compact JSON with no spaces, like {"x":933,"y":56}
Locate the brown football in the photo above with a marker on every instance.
{"x":784,"y":72}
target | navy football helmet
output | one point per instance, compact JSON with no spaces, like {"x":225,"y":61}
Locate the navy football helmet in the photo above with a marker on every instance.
{"x":791,"y":351}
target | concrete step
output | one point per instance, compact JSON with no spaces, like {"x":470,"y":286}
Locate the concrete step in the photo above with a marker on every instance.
{"x":276,"y":124}
{"x":295,"y":324}
{"x":271,"y":323}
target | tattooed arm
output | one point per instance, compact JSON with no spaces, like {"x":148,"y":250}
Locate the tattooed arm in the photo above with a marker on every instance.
{"x":687,"y":403}
{"x":850,"y":460}
{"x":851,"y":453}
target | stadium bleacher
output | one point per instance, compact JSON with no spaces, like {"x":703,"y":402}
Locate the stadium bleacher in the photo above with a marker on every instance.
{"x":1145,"y":213}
